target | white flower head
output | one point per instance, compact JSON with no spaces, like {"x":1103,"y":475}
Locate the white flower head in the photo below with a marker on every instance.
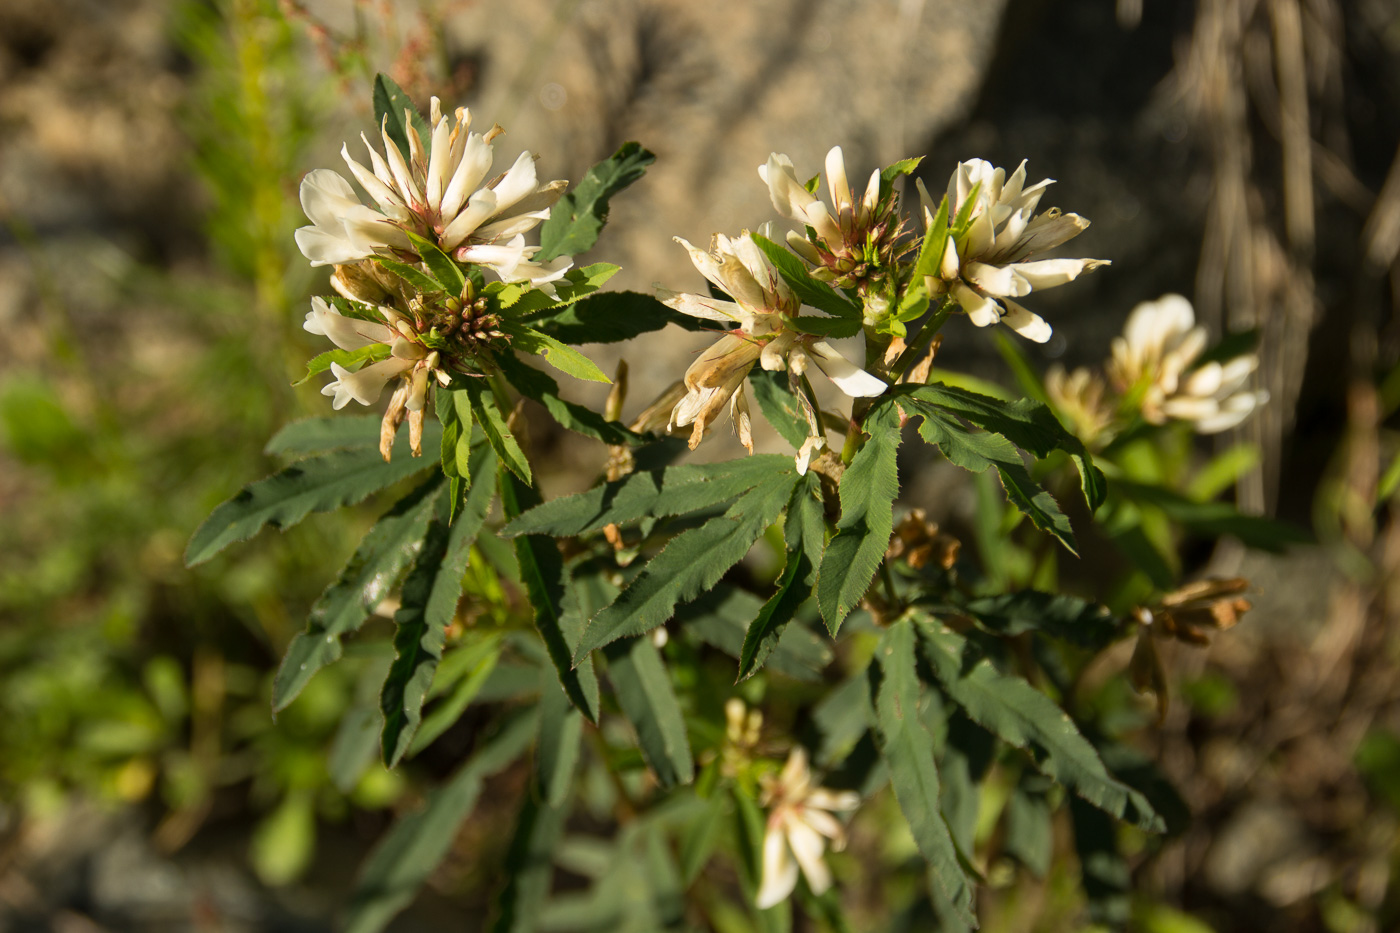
{"x":1157,"y":357}
{"x":759,"y":314}
{"x":800,"y":824}
{"x":1081,"y":397}
{"x":990,"y":264}
{"x":439,"y":191}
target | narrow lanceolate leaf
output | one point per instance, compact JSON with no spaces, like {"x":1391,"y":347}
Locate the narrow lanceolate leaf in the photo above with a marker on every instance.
{"x":557,"y":615}
{"x":391,"y":101}
{"x":529,"y":866}
{"x":935,"y":241}
{"x":454,"y":411}
{"x":350,"y":359}
{"x":644,"y":692}
{"x":1104,"y":871}
{"x":811,"y":291}
{"x":319,"y":484}
{"x":575,"y":222}
{"x":779,"y":405}
{"x":1026,"y":423}
{"x":541,"y":387}
{"x":443,"y":267}
{"x":1020,"y":715}
{"x":868,"y":490}
{"x":722,"y":616}
{"x":675,"y":490}
{"x":559,"y":355}
{"x":561,"y":731}
{"x":372,"y":572}
{"x":691,"y":563}
{"x":805,"y":531}
{"x":908,"y":751}
{"x":611,"y":317}
{"x":493,"y":424}
{"x":414,"y":276}
{"x":418,"y":841}
{"x":977,"y":450}
{"x":429,"y":603}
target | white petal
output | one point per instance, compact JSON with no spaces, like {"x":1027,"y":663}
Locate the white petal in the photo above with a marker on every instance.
{"x":779,"y":870}
{"x":1026,"y":323}
{"x":481,"y":206}
{"x":325,"y":248}
{"x":438,"y":162}
{"x":382,"y":194}
{"x":872,"y":196}
{"x":325,"y":195}
{"x":501,"y":257}
{"x":1047,"y":273}
{"x":403,"y":175}
{"x":787,"y":194}
{"x":847,"y":376}
{"x":836,"y":181}
{"x":804,"y":455}
{"x":708,"y":265}
{"x":703,"y":306}
{"x":997,"y":280}
{"x":510,"y":226}
{"x":345,"y":332}
{"x":471,"y":171}
{"x":364,"y":386}
{"x":981,"y":310}
{"x":807,"y":847}
{"x":833,"y":799}
{"x":519,"y":181}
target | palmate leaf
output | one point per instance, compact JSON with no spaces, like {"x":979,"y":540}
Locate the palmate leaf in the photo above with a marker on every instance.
{"x":908,"y":751}
{"x":575,"y":222}
{"x":689,"y":564}
{"x":805,"y":534}
{"x":418,"y":841}
{"x":429,"y":603}
{"x":611,"y":317}
{"x":541,"y":387}
{"x":559,"y":355}
{"x":647,"y":699}
{"x":391,"y":101}
{"x":868,"y":490}
{"x":978,"y":450}
{"x":1020,"y":715}
{"x":548,"y":585}
{"x":318,"y":484}
{"x":675,"y":490}
{"x":372,"y":572}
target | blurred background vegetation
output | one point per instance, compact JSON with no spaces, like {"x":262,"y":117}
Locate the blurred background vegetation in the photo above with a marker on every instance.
{"x":1243,"y":152}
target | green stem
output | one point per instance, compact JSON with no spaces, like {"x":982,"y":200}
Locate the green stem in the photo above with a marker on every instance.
{"x":915,"y":351}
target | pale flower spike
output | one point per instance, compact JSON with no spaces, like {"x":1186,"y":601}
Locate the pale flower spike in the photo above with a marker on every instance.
{"x":990,"y":263}
{"x":1157,"y":357}
{"x":800,"y":823}
{"x":761,"y":333}
{"x":440,"y":192}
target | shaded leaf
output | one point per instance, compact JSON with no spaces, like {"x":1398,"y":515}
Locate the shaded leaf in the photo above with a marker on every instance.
{"x":422,"y":281}
{"x":1216,"y":518}
{"x":372,"y":572}
{"x":779,"y":405}
{"x":721,"y":618}
{"x":611,"y":317}
{"x":561,"y":731}
{"x":529,"y":866}
{"x":648,"y":701}
{"x":868,"y":490}
{"x":454,"y":411}
{"x":541,"y":387}
{"x":320,"y":435}
{"x":576,"y":220}
{"x":493,"y":424}
{"x":390,"y":101}
{"x":442,"y":266}
{"x":1081,"y":622}
{"x":811,"y":291}
{"x":318,"y":484}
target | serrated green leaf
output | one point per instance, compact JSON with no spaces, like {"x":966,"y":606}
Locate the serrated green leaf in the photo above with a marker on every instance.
{"x":576,"y":220}
{"x":935,"y":242}
{"x":611,"y":317}
{"x":1022,"y":716}
{"x":811,"y":291}
{"x":557,"y":750}
{"x":442,"y":266}
{"x":391,"y":101}
{"x":493,"y":424}
{"x":372,"y":572}
{"x":318,"y":484}
{"x":1035,"y":503}
{"x":562,"y":357}
{"x":418,"y":279}
{"x":454,"y":413}
{"x":779,"y":405}
{"x":721,"y":618}
{"x":428,"y":605}
{"x":529,"y":866}
{"x":907,"y":749}
{"x":525,"y":302}
{"x":541,"y":387}
{"x":548,"y":585}
{"x":674,"y":490}
{"x":1029,"y":836}
{"x":350,"y":359}
{"x":648,"y":701}
{"x":1078,"y":621}
{"x":868,"y":490}
{"x":478,"y":662}
{"x":968,"y":751}
{"x":902,"y":167}
{"x":833,"y":327}
{"x":418,"y":841}
{"x":340,"y":432}
{"x":805,"y":533}
{"x":689,"y":564}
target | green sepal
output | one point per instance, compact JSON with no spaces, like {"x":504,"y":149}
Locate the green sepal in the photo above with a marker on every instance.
{"x":350,"y":359}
